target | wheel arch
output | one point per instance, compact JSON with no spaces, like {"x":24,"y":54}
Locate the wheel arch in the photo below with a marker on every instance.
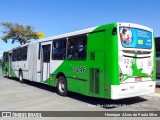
{"x":58,"y":75}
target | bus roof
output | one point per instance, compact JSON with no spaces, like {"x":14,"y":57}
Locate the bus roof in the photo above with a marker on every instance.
{"x":91,"y":29}
{"x":68,"y":34}
{"x":57,"y":37}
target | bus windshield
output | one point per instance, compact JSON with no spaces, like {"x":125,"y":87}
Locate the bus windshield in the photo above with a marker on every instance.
{"x":135,"y":38}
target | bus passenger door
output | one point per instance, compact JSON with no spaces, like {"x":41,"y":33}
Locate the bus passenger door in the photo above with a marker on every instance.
{"x":45,"y":62}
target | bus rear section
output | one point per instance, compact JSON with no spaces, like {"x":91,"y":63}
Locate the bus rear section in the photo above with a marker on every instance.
{"x":136,"y":59}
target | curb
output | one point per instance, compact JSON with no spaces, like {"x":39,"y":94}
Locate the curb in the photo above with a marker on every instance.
{"x":154,"y":95}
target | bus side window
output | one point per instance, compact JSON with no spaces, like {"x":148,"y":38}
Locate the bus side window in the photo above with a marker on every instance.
{"x":46,"y":53}
{"x":6,"y":56}
{"x":59,"y":49}
{"x":24,"y":53}
{"x":19,"y":54}
{"x":14,"y":55}
{"x":76,"y":47}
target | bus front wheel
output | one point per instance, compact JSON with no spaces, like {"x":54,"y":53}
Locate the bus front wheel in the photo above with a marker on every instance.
{"x":62,"y":86}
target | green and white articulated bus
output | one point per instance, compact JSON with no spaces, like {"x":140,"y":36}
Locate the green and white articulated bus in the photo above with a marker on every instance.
{"x":112,"y":61}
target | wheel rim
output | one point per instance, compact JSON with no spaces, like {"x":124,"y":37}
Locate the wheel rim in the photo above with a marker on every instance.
{"x":61,"y":86}
{"x":20,"y":77}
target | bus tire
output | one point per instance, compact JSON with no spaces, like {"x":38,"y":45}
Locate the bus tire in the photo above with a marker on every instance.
{"x":21,"y":77}
{"x":62,"y":86}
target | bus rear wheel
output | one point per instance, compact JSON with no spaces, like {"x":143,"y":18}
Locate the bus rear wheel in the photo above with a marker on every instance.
{"x":62,"y":86}
{"x":21,"y":77}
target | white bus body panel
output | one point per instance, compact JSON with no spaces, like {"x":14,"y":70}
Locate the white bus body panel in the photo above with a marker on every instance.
{"x":32,"y":61}
{"x":127,"y":90}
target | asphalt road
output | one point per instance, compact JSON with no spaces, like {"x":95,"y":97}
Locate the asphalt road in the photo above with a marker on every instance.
{"x":31,"y":96}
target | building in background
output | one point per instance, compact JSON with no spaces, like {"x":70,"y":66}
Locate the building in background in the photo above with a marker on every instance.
{"x":157,"y":42}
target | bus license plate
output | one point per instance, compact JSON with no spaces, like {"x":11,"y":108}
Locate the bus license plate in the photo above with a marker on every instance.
{"x":138,"y":79}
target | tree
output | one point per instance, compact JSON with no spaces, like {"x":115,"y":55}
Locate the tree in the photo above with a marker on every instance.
{"x":18,"y":33}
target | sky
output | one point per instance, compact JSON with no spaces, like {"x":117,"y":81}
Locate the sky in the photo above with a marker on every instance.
{"x":54,"y":17}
